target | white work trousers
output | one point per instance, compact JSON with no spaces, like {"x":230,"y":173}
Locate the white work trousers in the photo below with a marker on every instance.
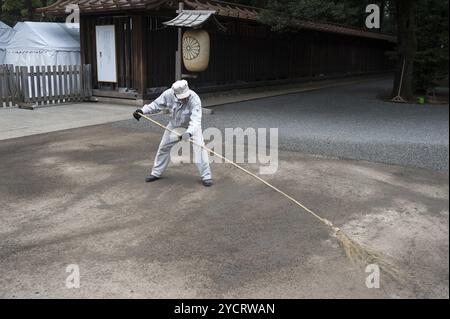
{"x":162,"y":158}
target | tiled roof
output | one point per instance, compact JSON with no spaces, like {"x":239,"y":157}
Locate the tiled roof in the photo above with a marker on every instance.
{"x":225,"y":9}
{"x":101,"y":6}
{"x":193,"y":19}
{"x":221,"y":9}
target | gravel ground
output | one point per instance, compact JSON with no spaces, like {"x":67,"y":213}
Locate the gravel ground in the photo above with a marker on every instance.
{"x":346,"y":122}
{"x":78,"y":197}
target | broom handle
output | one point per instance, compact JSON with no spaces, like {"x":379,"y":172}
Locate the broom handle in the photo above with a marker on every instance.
{"x":323,"y":220}
{"x":401,"y":78}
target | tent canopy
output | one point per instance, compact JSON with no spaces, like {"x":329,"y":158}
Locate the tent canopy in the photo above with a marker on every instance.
{"x":43,"y":43}
{"x":6,"y":33}
{"x":47,"y":36}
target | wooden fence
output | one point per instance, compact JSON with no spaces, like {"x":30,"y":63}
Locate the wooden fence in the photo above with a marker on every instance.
{"x":9,"y":83}
{"x":44,"y":85}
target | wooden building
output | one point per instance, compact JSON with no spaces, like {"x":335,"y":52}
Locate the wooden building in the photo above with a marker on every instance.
{"x":247,"y":53}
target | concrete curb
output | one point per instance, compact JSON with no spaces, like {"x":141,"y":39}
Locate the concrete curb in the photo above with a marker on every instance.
{"x":241,"y":95}
{"x":311,"y":86}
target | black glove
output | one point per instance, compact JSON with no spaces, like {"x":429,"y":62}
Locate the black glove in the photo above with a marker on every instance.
{"x":186,"y":136}
{"x":137,"y":114}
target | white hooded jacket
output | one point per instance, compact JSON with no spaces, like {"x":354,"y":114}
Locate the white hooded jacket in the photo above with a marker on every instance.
{"x":187,"y":115}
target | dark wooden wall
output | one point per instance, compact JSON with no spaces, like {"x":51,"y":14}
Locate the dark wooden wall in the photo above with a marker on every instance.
{"x":245,"y":53}
{"x":253,"y":53}
{"x":160,"y":48}
{"x":124,"y":49}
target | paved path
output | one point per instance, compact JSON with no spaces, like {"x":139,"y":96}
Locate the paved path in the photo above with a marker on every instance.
{"x":78,"y":197}
{"x":346,"y":122}
{"x":15,"y":122}
{"x":349,"y":122}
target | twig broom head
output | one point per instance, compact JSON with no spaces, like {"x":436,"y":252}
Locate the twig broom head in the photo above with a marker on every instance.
{"x":362,"y":255}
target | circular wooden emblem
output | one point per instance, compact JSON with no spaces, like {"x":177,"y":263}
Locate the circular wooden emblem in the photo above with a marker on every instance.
{"x":196,"y":46}
{"x":191,"y":48}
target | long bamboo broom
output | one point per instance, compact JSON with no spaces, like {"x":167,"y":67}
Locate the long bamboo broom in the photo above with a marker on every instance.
{"x":357,"y":252}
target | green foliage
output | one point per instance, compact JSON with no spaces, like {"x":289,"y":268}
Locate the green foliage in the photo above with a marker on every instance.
{"x":252,"y":3}
{"x":431,"y":60}
{"x":14,"y":11}
{"x":281,"y":14}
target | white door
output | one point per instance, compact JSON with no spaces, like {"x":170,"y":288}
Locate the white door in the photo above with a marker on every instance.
{"x":106,"y":53}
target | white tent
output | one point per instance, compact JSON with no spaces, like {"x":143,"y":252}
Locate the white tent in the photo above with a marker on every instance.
{"x":44,"y":43}
{"x":6,"y":33}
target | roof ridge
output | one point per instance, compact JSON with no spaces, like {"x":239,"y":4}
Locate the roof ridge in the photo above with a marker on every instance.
{"x":351,"y":27}
{"x":223,"y":8}
{"x":238,"y":5}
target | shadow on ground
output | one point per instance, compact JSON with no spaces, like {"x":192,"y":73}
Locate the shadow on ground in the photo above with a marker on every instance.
{"x":79,"y":197}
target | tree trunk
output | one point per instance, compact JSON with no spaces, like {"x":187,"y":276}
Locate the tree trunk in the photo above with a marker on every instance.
{"x":407,"y":46}
{"x":382,"y":13}
{"x":29,"y":5}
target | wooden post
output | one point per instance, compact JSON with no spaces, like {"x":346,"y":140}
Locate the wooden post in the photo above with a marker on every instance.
{"x":82,"y":82}
{"x":25,"y":86}
{"x":19,"y":91}
{"x":76,"y":89}
{"x":178,"y":54}
{"x":139,"y":56}
{"x":66,"y":84}
{"x":38,"y":84}
{"x":55,"y":81}
{"x":26,"y":82}
{"x":44,"y":86}
{"x":89,"y":77}
{"x":71,"y":83}
{"x":60,"y":84}
{"x":32,"y":84}
{"x":3,"y":93}
{"x":10,"y":73}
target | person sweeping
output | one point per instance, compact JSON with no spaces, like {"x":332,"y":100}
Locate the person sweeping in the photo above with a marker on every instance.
{"x":186,"y":112}
{"x":179,"y":98}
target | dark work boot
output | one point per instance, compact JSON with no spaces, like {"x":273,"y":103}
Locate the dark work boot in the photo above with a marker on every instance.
{"x":150,"y":178}
{"x":207,"y":182}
